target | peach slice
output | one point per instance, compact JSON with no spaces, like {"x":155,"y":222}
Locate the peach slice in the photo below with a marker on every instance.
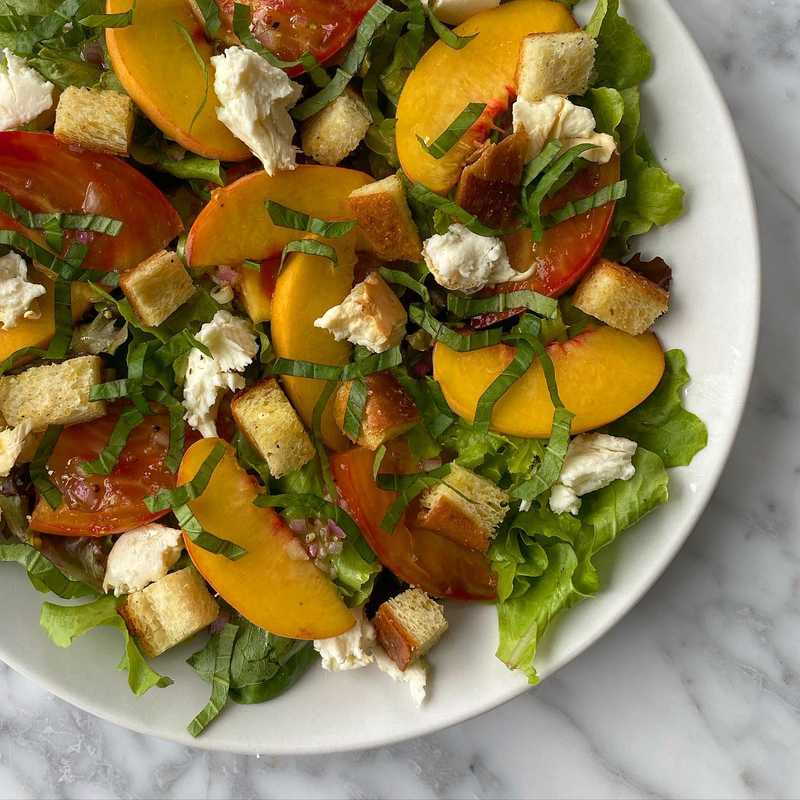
{"x":483,"y":71}
{"x":235,"y":225}
{"x":158,"y":69}
{"x":274,"y":585}
{"x":602,"y":374}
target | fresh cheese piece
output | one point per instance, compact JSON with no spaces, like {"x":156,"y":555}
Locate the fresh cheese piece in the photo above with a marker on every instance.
{"x":16,"y":293}
{"x":454,"y":12}
{"x":370,"y":316}
{"x":594,"y":460}
{"x":141,"y":557}
{"x":463,"y":261}
{"x":415,"y":675}
{"x":255,"y":99}
{"x":350,"y":650}
{"x":24,"y":93}
{"x":555,"y":117}
{"x":233,"y":346}
{"x":12,"y":443}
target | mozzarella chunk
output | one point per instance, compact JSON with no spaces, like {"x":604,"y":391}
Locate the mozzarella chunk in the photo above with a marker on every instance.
{"x":350,"y":650}
{"x":141,"y":557}
{"x":415,"y":675}
{"x":12,"y":441}
{"x":454,"y":12}
{"x":255,"y":99}
{"x":463,"y":261}
{"x":233,"y":345}
{"x":16,"y":293}
{"x":594,"y":460}
{"x":555,"y":117}
{"x":24,"y":93}
{"x":370,"y":316}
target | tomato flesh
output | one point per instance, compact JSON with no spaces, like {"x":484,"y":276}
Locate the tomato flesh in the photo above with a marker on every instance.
{"x":99,"y":505}
{"x":44,"y":174}
{"x":417,"y":556}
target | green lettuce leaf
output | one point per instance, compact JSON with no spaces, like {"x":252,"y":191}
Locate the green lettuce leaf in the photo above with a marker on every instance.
{"x":42,"y":573}
{"x":64,"y":624}
{"x":661,"y":424}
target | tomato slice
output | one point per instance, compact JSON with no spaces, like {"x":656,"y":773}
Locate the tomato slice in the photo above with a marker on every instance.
{"x":44,"y":174}
{"x":420,"y":557}
{"x":290,"y":28}
{"x":569,"y":249}
{"x":99,"y":505}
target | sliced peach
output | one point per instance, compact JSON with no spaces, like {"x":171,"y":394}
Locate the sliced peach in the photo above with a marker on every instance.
{"x":305,"y":290}
{"x":445,"y":80}
{"x":602,"y":374}
{"x":274,"y":585}
{"x":235,"y":225}
{"x":255,"y":288}
{"x":156,"y":65}
{"x":39,"y":332}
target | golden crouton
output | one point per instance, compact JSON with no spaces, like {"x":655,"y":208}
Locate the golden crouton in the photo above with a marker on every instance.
{"x":54,"y":394}
{"x":555,"y":63}
{"x":266,"y":417}
{"x":464,"y":507}
{"x":385,"y":221}
{"x":169,"y":611}
{"x":619,"y":297}
{"x":389,"y":412}
{"x":97,"y":119}
{"x":333,"y":133}
{"x":408,"y":626}
{"x":157,"y":287}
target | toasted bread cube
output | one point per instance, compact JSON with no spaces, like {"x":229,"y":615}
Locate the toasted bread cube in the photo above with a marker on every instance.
{"x":464,"y":507}
{"x":389,"y":412}
{"x":408,"y":626}
{"x":97,"y":119}
{"x":385,"y":220}
{"x":619,"y":297}
{"x":489,"y":187}
{"x":555,"y":63}
{"x":54,"y":394}
{"x":267,"y":418}
{"x":169,"y":611}
{"x":157,"y":287}
{"x":333,"y":133}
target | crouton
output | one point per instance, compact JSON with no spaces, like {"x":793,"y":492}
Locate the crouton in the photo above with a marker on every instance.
{"x":97,"y":119}
{"x":266,"y":417}
{"x":464,"y":507}
{"x":389,"y":412}
{"x":408,"y":626}
{"x":385,"y":220}
{"x":169,"y":611}
{"x":489,"y":187}
{"x":54,"y":394}
{"x":157,"y":287}
{"x":370,"y":316}
{"x":555,"y":63}
{"x":333,"y":133}
{"x":619,"y":297}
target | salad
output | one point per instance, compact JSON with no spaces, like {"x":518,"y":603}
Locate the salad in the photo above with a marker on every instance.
{"x":314,"y":315}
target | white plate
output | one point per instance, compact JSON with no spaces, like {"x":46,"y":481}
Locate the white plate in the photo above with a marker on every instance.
{"x":714,"y":318}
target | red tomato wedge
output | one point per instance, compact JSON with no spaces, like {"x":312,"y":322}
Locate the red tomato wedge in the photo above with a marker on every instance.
{"x":44,"y":174}
{"x":569,"y":249}
{"x":290,"y":28}
{"x":420,"y":557}
{"x":99,"y":505}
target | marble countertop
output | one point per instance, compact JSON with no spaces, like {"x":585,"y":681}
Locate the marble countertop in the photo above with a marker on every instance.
{"x":696,"y":693}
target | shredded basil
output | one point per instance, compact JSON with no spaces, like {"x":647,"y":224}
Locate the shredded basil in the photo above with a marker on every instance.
{"x":250,"y":458}
{"x":375,"y":362}
{"x":445,"y":34}
{"x":400,"y":277}
{"x":220,"y":681}
{"x":421,"y":194}
{"x":201,"y":62}
{"x":191,"y":526}
{"x":407,"y":488}
{"x":377,"y":460}
{"x":450,"y":137}
{"x":300,"y":221}
{"x":121,"y":20}
{"x":463,"y":343}
{"x":241,"y":27}
{"x":172,"y":498}
{"x":303,"y":506}
{"x":311,"y":247}
{"x":462,"y":306}
{"x":42,"y":573}
{"x":38,"y":468}
{"x":354,"y":411}
{"x":105,"y":462}
{"x":211,"y":19}
{"x":607,"y":194}
{"x":536,"y":166}
{"x":177,"y":428}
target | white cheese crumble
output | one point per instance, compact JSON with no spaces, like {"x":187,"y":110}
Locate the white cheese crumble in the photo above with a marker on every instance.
{"x":555,"y":117}
{"x":454,"y":12}
{"x":255,"y":99}
{"x":141,"y":557}
{"x":16,"y":293}
{"x":233,"y":345}
{"x":12,"y":440}
{"x":358,"y":648}
{"x":594,"y":460}
{"x":24,"y":93}
{"x":463,"y":261}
